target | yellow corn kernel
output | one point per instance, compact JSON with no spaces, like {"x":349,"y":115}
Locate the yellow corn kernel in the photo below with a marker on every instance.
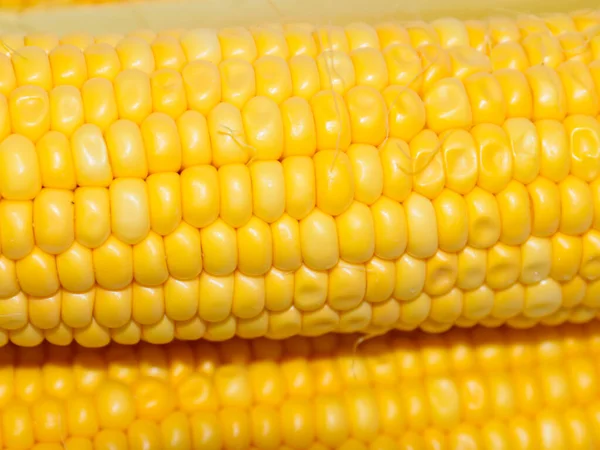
{"x":336,"y":71}
{"x":92,"y":216}
{"x":7,"y":80}
{"x":235,"y":194}
{"x":195,"y":141}
{"x":332,"y":121}
{"x":356,"y":233}
{"x":584,"y":138}
{"x":273,"y":78}
{"x":426,"y":164}
{"x":32,"y":67}
{"x":319,"y":241}
{"x":517,"y":92}
{"x":102,"y":61}
{"x":581,"y":94}
{"x":525,"y":149}
{"x":68,"y":65}
{"x":16,"y":223}
{"x":263,"y":128}
{"x":484,"y":218}
{"x":200,"y":195}
{"x":567,"y":252}
{"x":452,"y":221}
{"x":334,"y":181}
{"x":20,"y":177}
{"x":66,"y":109}
{"x":183,"y":250}
{"x":201,"y":44}
{"x":298,"y":128}
{"x":164,"y":198}
{"x":495,"y":159}
{"x":305,"y":76}
{"x":270,"y":40}
{"x":390,"y":228}
{"x":287,"y":255}
{"x":133,"y":94}
{"x":237,"y":42}
{"x":129,"y":208}
{"x":576,"y":206}
{"x":509,"y":55}
{"x":8,"y":278}
{"x":37,"y":274}
{"x":219,"y":245}
{"x":126,"y":150}
{"x":447,"y":105}
{"x":503,"y":266}
{"x":148,"y":304}
{"x":181,"y":298}
{"x":299,"y":39}
{"x":238,"y":84}
{"x":4,"y":116}
{"x":397,"y":176}
{"x":367,"y":112}
{"x":162,"y":143}
{"x":168,"y":92}
{"x":545,"y":203}
{"x":53,"y":220}
{"x":255,"y":247}
{"x":421,"y":226}
{"x":76,"y":269}
{"x":549,"y":98}
{"x":227,"y":135}
{"x":29,"y":108}
{"x":368,"y":173}
{"x":555,"y":161}
{"x":135,"y":53}
{"x":410,"y":278}
{"x":514,"y":206}
{"x":168,"y":53}
{"x":90,"y":157}
{"x":113,"y":263}
{"x":202,"y":84}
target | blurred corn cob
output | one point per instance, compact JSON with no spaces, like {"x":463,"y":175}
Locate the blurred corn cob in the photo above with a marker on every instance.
{"x":275,"y":181}
{"x":470,"y":389}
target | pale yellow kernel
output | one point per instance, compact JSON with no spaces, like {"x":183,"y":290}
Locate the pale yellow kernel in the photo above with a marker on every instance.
{"x":99,"y":102}
{"x":201,"y":44}
{"x":584,"y":139}
{"x":238,"y":81}
{"x":447,"y":105}
{"x":484,"y":218}
{"x":549,"y":98}
{"x":273,"y":78}
{"x":421,"y":226}
{"x":555,"y":156}
{"x":202,"y":83}
{"x":68,"y":65}
{"x":168,"y":92}
{"x":102,"y":61}
{"x":411,"y":275}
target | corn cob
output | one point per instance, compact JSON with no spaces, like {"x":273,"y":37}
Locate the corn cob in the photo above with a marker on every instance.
{"x":470,"y":389}
{"x":274,"y":182}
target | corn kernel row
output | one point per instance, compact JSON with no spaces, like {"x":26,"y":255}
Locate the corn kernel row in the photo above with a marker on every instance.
{"x":573,"y":31}
{"x":64,"y":139}
{"x":476,"y":389}
{"x":360,"y":52}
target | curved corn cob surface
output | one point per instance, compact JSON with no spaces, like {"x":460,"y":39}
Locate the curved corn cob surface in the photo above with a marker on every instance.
{"x":469,"y":389}
{"x":293,"y":180}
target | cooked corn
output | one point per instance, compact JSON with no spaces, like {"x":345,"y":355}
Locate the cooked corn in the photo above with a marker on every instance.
{"x":297,"y":180}
{"x":470,"y":389}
